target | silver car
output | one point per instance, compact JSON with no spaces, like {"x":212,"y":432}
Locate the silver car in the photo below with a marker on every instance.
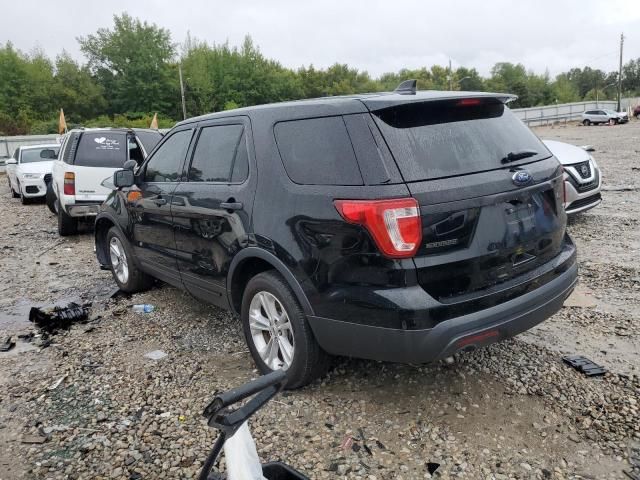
{"x":604,"y":116}
{"x":582,"y":177}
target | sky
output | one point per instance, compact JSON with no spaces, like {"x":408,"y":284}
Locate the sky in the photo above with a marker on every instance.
{"x":376,"y":36}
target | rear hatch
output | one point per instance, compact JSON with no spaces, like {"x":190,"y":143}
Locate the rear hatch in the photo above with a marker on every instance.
{"x":98,"y":155}
{"x":490,"y":197}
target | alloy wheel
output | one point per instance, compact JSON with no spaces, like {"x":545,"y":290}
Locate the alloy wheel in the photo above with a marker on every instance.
{"x":119,"y":260}
{"x":271,"y":331}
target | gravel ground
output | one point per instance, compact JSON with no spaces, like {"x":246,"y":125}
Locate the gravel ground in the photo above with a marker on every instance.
{"x":513,"y":410}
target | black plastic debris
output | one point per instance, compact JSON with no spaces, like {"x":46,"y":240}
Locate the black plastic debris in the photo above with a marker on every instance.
{"x":584,"y":365}
{"x":432,"y":467}
{"x":7,"y":344}
{"x":632,"y":474}
{"x":55,"y":318}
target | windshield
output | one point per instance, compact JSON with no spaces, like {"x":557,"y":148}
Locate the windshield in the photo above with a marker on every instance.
{"x":33,"y":155}
{"x":446,"y":138}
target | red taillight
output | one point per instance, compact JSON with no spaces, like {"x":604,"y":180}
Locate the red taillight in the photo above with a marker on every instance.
{"x":394,"y":224}
{"x":69,"y":183}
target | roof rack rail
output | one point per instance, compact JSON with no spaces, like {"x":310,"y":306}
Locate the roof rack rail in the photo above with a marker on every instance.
{"x":408,"y":87}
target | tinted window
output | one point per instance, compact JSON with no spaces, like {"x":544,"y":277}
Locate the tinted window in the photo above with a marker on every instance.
{"x":318,"y":151}
{"x":446,"y":138}
{"x":241,"y":163}
{"x":32,"y":155}
{"x":101,"y":149}
{"x":215,"y":152}
{"x":149,"y":140}
{"x":166,"y":163}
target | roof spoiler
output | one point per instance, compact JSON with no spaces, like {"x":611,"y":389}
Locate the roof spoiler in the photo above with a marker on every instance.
{"x":408,"y":87}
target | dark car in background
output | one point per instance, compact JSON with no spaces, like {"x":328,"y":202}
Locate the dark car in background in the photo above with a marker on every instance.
{"x":403,"y":226}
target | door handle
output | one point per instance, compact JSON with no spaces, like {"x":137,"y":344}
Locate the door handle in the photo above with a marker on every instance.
{"x":231,"y":205}
{"x":160,"y":201}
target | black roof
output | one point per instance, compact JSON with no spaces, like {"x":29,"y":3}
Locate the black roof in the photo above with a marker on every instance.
{"x":345,"y":104}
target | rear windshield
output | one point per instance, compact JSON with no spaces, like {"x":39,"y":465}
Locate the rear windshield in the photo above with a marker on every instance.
{"x":103,"y":149}
{"x":447,"y":138}
{"x":33,"y":155}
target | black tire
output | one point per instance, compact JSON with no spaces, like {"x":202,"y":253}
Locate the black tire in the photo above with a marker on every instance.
{"x":137,"y":281}
{"x":613,"y":121}
{"x":14,"y":194}
{"x":67,"y":225}
{"x":51,"y":199}
{"x":24,"y":200}
{"x":309,"y":360}
{"x":638,"y":116}
{"x":586,"y":122}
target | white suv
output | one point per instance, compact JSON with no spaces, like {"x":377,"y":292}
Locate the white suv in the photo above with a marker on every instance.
{"x":88,"y":157}
{"x":29,"y":170}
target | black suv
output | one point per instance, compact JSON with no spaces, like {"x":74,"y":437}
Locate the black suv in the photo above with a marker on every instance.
{"x":402,"y":226}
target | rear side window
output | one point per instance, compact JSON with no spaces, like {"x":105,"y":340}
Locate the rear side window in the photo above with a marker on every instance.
{"x":318,"y":151}
{"x":447,"y":138}
{"x":103,"y":149}
{"x":215,"y":153}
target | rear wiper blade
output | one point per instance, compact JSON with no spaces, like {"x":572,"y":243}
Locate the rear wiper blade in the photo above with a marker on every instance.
{"x":513,"y":156}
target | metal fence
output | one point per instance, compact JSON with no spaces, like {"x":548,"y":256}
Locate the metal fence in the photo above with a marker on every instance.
{"x":8,"y":145}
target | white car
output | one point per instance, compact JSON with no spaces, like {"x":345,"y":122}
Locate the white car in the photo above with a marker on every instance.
{"x":87,"y":157}
{"x":582,"y":177}
{"x":29,"y":170}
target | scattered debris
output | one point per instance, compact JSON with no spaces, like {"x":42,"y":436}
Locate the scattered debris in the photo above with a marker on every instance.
{"x":7,"y":344}
{"x":144,"y":308}
{"x":432,"y":467}
{"x":54,"y":318}
{"x":584,"y":365}
{"x":347,"y":442}
{"x":632,"y":475}
{"x":155,"y":355}
{"x":33,"y":439}
{"x":57,"y":383}
{"x":26,"y":337}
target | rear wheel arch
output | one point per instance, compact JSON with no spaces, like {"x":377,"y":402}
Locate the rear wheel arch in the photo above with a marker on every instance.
{"x":250,"y":262}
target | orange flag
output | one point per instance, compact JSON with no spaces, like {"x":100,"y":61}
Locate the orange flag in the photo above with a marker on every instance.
{"x":154,"y":122}
{"x":62,"y":123}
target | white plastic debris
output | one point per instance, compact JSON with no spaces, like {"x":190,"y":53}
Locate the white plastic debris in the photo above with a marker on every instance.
{"x":57,"y":383}
{"x":241,"y":456}
{"x":155,"y":355}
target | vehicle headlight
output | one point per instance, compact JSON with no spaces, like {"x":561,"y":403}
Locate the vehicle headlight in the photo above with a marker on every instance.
{"x":32,"y":176}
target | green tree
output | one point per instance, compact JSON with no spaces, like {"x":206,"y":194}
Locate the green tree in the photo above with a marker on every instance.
{"x":132,"y":64}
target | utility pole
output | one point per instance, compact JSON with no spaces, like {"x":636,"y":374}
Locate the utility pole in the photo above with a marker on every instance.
{"x":184,"y":106}
{"x":450,"y":76}
{"x":620,"y":70}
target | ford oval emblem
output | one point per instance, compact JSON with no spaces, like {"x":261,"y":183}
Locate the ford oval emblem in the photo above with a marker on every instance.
{"x":522,"y":178}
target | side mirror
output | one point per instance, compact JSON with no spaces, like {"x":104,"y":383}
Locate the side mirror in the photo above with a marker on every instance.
{"x":48,"y":154}
{"x":123,"y":178}
{"x":10,"y":161}
{"x":130,"y":165}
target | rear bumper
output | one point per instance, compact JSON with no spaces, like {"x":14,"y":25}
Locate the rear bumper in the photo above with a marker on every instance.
{"x":450,"y":336}
{"x":85,"y":209}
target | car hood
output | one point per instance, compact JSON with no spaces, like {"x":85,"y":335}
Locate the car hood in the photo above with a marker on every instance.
{"x":35,"y":167}
{"x":566,"y":153}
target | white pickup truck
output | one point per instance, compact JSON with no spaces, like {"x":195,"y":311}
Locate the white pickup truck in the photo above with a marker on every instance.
{"x":87,"y":157}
